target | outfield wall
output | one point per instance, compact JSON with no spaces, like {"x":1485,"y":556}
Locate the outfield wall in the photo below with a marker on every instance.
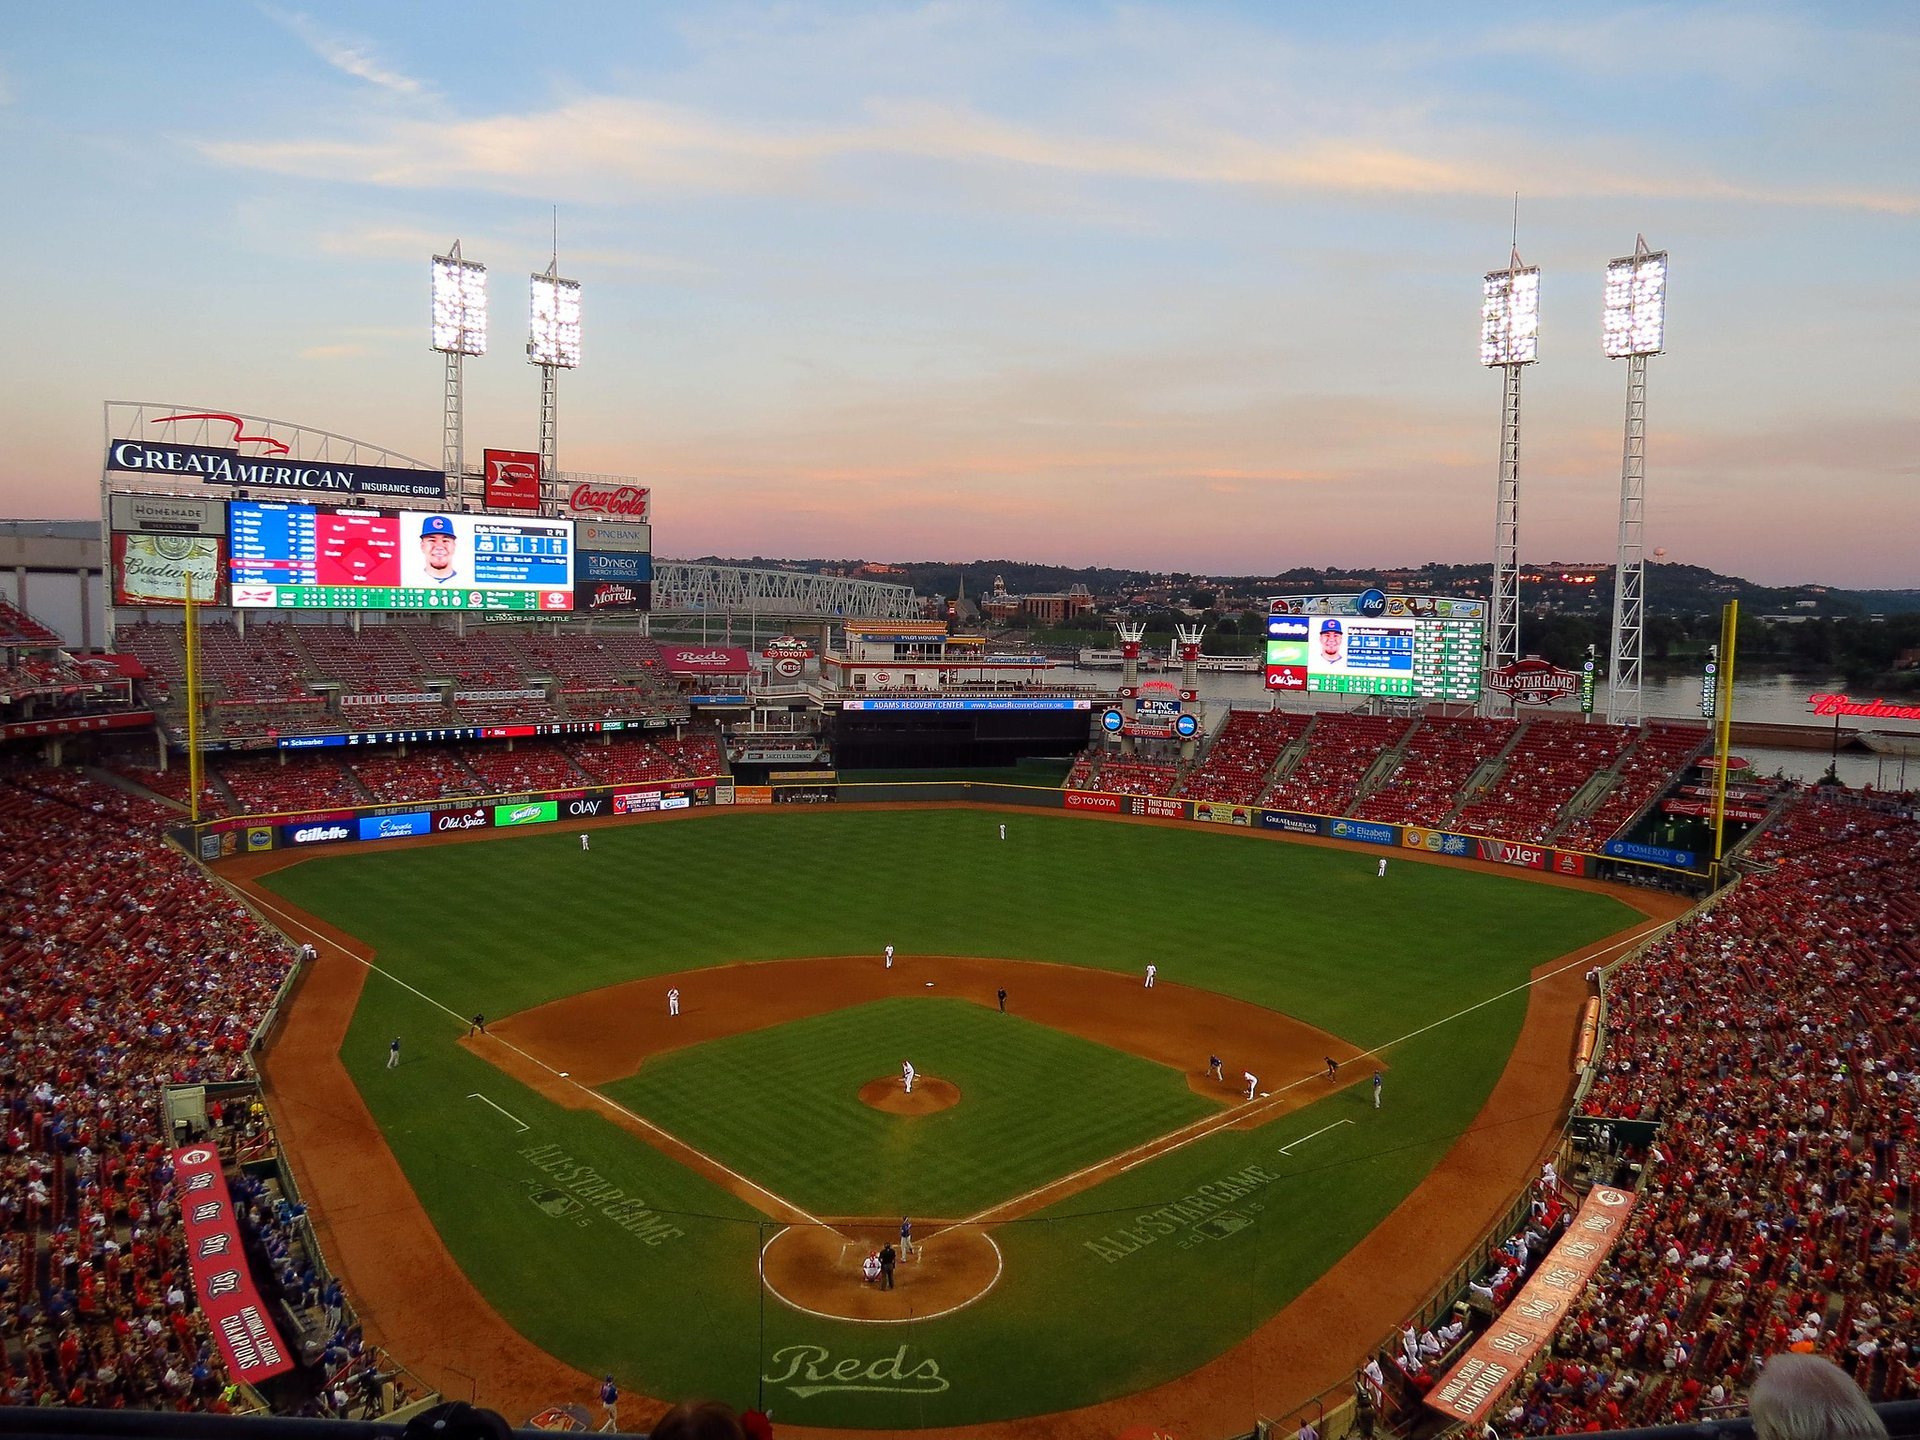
{"x":252,"y":834}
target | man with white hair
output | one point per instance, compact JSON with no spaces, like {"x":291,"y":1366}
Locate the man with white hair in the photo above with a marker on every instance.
{"x":1808,"y":1397}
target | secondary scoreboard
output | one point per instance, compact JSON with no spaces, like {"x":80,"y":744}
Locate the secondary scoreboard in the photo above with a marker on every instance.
{"x":1419,"y":647}
{"x":324,"y":557}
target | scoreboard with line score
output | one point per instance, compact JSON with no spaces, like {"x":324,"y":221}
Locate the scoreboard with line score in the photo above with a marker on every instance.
{"x":1418,"y":647}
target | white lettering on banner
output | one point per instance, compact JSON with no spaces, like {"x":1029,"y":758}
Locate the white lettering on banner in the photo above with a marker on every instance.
{"x":409,"y":697}
{"x":223,"y":468}
{"x":307,"y":834}
{"x":629,"y":1213}
{"x":817,"y":1372}
{"x":1199,"y":1205}
{"x":629,"y":500}
{"x":464,"y":697}
{"x":460,"y":820}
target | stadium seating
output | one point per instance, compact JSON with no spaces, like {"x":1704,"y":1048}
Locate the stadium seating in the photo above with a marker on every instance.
{"x":263,"y":786}
{"x":122,"y":967}
{"x":1654,"y":763}
{"x":1772,"y":1040}
{"x":1545,"y":769}
{"x":1440,"y":759}
{"x":1341,"y":749}
{"x":529,"y":765}
{"x":1121,"y":776}
{"x":17,"y":627}
{"x":636,"y":760}
{"x":1242,"y":755}
{"x":429,"y":773}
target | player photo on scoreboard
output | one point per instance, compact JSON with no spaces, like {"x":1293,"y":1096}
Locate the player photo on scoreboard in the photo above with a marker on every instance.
{"x":460,"y":551}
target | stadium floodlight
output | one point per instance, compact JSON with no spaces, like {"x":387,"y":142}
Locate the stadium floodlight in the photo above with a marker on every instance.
{"x":1635,"y":321}
{"x":459,"y":305}
{"x":1510,"y":316}
{"x":553,"y":331}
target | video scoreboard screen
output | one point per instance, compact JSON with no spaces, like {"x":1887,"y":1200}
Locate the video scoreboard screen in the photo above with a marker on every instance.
{"x":1420,"y":647}
{"x":324,"y":557}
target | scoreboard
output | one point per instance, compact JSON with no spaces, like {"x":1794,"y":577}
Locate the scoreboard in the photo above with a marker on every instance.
{"x":324,"y":557}
{"x":1419,"y":647}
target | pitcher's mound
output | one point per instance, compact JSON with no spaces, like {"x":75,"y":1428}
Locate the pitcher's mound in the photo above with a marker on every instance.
{"x":929,"y":1094}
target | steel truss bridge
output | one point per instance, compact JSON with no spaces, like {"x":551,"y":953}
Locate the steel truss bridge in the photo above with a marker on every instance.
{"x":680,"y":589}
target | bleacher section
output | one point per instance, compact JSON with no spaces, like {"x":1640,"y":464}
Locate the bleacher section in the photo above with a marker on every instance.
{"x":1341,"y":749}
{"x":631,"y":760}
{"x":19,"y":628}
{"x":1655,"y":761}
{"x":1546,"y":768}
{"x":529,"y":765}
{"x":263,"y":786}
{"x":1242,"y":755}
{"x":429,"y":773}
{"x":1440,"y":759}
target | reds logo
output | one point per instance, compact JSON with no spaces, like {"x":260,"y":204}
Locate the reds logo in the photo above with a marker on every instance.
{"x":633,"y":501}
{"x":240,"y":436}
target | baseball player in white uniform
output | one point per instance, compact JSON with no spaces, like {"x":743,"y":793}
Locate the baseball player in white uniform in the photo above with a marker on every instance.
{"x":673,"y":1002}
{"x":889,"y":957}
{"x":585,"y":844}
{"x":1253,"y":1082}
{"x":1382,"y":872}
{"x":1003,"y":832}
{"x":1152,"y":970}
{"x":907,"y":1072}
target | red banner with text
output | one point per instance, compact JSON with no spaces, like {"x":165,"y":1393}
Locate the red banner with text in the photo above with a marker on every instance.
{"x":225,"y":1290}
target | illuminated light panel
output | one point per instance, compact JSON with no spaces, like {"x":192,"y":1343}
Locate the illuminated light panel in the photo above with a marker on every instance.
{"x":1635,"y":321}
{"x":1510,"y":317}
{"x":459,"y":306}
{"x":553,"y":331}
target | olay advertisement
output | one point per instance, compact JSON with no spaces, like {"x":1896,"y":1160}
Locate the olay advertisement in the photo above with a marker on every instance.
{"x":252,"y":1346}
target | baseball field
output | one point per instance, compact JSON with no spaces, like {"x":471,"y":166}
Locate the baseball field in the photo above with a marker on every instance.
{"x":593,"y":1185}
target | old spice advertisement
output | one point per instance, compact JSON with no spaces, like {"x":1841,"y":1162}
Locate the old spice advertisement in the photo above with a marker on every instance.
{"x":1474,"y":1386}
{"x":221,"y":1282}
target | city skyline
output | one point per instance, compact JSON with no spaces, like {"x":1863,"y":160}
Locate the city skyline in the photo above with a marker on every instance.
{"x":1184,"y":289}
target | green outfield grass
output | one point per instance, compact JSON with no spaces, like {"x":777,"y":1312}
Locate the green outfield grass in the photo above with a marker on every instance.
{"x":1099,"y":1298}
{"x":781,"y":1106}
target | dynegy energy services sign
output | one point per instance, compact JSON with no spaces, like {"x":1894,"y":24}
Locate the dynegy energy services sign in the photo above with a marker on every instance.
{"x":215,"y":466}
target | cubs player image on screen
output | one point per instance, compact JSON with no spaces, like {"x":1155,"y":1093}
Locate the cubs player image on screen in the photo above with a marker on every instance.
{"x":439,"y":551}
{"x":1331,"y":638}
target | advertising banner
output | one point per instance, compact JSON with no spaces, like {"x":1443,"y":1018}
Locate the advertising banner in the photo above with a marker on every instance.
{"x":229,"y":467}
{"x":155,"y":569}
{"x":512,"y":479}
{"x":635,"y":802}
{"x":76,"y":724}
{"x":252,"y":1346}
{"x":1091,"y":800}
{"x":602,"y":595}
{"x":1654,"y":854}
{"x":585,"y":807}
{"x":1505,"y":852}
{"x":534,"y":812}
{"x":1218,"y":812}
{"x":705,"y":660}
{"x":167,"y":514}
{"x":987,"y":702}
{"x":258,"y":838}
{"x":632,"y":503}
{"x":629,"y":567}
{"x":391,"y":697}
{"x":1157,"y":806}
{"x":1533,"y":681}
{"x":1362,"y":830}
{"x":395,"y":827}
{"x":473,"y":818}
{"x":747,"y":795}
{"x":1292,"y":824}
{"x":1746,"y":814}
{"x":1470,"y":1390}
{"x":613,"y":535}
{"x":1435,"y":842}
{"x":320,"y":832}
{"x":1565,"y":862}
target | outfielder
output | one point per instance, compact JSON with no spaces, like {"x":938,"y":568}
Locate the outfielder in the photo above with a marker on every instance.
{"x":585,"y":844}
{"x":889,"y":957}
{"x":1376,"y":1089}
{"x":1382,"y":872}
{"x":393,"y":1054}
{"x":1152,"y":970}
{"x":673,"y":1002}
{"x":907,"y":1072}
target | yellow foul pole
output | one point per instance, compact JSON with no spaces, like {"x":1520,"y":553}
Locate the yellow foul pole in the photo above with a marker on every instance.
{"x":1723,"y":725}
{"x":193,"y":704}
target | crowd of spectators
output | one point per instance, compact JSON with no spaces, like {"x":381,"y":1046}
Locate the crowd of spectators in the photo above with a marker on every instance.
{"x":123,"y":969}
{"x":1660,"y":752}
{"x":1772,"y":1039}
{"x":1341,"y":749}
{"x":1548,"y":766}
{"x":1242,"y":755}
{"x":1440,"y":758}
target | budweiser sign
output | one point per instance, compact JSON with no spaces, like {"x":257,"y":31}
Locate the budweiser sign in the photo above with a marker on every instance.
{"x":632,"y":501}
{"x":1866,"y":709}
{"x":1533,"y":681}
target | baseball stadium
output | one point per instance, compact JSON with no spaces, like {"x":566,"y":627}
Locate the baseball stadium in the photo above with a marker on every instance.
{"x":875,"y":1031}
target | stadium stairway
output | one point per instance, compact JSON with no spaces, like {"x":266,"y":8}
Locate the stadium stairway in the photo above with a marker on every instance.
{"x":1289,"y":759}
{"x":1384,"y":767}
{"x":1483,"y":779}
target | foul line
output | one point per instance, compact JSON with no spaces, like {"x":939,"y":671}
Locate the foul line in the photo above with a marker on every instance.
{"x":1179,"y":1139}
{"x":476,"y":1095}
{"x":253,"y":892}
{"x":1321,"y":1131}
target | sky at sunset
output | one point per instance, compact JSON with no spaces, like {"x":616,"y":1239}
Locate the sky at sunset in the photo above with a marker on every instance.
{"x":1187,"y":286}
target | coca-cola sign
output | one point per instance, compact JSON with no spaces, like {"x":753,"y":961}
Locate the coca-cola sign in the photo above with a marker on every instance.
{"x":630,"y":502}
{"x":1533,"y":681}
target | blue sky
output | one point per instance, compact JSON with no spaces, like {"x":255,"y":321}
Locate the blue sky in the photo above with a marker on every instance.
{"x":1189,"y":287}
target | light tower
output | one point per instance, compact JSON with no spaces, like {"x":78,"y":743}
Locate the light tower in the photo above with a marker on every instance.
{"x":1634,"y":326}
{"x":1189,"y":636}
{"x":459,"y":330}
{"x":1131,"y":633}
{"x":553,"y":343}
{"x":1510,"y":341}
